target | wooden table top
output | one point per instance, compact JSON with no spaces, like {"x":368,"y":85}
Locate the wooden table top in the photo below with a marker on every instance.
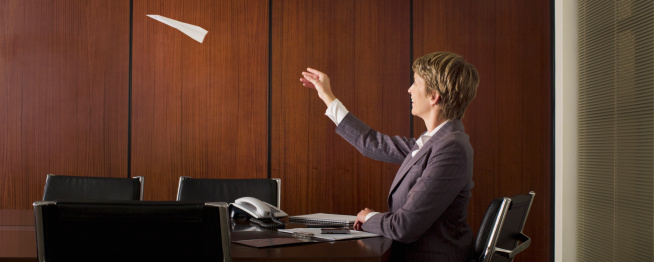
{"x":18,"y":243}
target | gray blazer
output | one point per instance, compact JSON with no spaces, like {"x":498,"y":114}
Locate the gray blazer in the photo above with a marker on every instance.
{"x":428,"y":200}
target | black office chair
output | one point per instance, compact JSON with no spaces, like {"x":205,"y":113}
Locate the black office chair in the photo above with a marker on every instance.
{"x":92,"y":188}
{"x":500,"y":236}
{"x":132,"y":231}
{"x":228,"y":190}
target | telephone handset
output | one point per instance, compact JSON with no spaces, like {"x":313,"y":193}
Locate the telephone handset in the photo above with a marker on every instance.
{"x":256,"y":208}
{"x":260,"y":213}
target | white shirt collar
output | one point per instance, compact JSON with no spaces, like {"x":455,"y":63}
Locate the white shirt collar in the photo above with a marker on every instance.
{"x":425,"y":137}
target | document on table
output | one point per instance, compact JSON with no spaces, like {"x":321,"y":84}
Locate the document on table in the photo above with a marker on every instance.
{"x":271,"y":242}
{"x":331,"y":237}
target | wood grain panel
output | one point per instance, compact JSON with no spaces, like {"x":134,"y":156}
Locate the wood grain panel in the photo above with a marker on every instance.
{"x":64,"y":91}
{"x":364,"y":46}
{"x":509,"y":122}
{"x":199,"y":109}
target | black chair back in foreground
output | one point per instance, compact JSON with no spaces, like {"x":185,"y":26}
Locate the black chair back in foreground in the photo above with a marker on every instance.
{"x":500,"y":235}
{"x":228,"y":190}
{"x":92,"y":188}
{"x":132,"y":231}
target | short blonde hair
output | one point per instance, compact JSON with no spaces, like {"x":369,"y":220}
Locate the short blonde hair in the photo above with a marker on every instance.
{"x":454,"y":79}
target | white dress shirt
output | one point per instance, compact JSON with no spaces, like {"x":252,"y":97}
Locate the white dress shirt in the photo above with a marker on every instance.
{"x":336,"y":111}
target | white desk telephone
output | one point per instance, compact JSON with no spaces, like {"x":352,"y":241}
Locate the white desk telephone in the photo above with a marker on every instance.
{"x":256,"y":208}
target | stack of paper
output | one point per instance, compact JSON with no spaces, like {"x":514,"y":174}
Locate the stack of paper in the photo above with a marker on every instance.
{"x":324,"y":218}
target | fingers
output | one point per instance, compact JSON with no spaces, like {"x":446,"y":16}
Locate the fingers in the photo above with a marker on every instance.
{"x":316,"y":72}
{"x":311,"y":78}
{"x":361,"y":218}
{"x":306,"y":83}
{"x":357,"y":225}
{"x":310,"y":75}
{"x":314,"y":75}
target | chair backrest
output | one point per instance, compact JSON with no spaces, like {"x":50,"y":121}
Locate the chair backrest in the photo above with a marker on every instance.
{"x":500,"y":235}
{"x":92,"y":188}
{"x":228,"y":190}
{"x":132,"y":231}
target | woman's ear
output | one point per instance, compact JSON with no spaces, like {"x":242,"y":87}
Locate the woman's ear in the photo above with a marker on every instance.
{"x":435,"y":98}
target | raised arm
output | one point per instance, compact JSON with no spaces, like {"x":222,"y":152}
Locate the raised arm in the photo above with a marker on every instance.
{"x":373,"y":144}
{"x":378,"y":146}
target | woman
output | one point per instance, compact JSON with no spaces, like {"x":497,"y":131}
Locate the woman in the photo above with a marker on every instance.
{"x":429,"y":197}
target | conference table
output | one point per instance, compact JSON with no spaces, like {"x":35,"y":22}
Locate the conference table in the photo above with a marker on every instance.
{"x":18,"y":243}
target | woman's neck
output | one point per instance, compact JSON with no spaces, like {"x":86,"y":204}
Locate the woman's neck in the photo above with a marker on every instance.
{"x":433,"y":121}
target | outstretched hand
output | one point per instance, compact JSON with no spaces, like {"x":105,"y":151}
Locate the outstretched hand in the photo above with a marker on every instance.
{"x":320,"y":81}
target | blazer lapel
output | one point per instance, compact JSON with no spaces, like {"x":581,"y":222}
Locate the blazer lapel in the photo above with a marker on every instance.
{"x":449,"y":127}
{"x":404,"y":168}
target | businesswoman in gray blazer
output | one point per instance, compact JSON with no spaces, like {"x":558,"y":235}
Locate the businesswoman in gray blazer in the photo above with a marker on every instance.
{"x":429,"y":197}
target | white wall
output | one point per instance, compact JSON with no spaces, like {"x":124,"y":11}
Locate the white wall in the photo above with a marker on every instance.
{"x":565,"y":134}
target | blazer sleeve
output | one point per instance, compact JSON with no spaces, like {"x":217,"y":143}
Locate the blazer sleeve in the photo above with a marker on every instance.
{"x":370,"y":143}
{"x":446,"y":172}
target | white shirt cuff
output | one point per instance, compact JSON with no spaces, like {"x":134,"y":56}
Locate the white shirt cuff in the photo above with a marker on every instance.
{"x":336,"y":111}
{"x":369,"y":215}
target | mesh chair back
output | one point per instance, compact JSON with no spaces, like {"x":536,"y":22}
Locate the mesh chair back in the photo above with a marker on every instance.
{"x":228,"y":190}
{"x":490,"y":227}
{"x":131,"y":231}
{"x":500,"y":235}
{"x":507,"y":245}
{"x":92,"y":188}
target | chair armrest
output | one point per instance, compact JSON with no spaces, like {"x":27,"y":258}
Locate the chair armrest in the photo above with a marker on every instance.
{"x":511,"y":253}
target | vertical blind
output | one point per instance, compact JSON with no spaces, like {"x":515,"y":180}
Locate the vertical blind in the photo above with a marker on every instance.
{"x":616,"y":130}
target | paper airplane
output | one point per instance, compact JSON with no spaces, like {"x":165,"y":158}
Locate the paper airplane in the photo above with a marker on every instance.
{"x":193,"y":31}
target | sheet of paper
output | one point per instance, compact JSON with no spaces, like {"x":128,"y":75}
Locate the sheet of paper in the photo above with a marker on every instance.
{"x":193,"y":31}
{"x":271,"y":242}
{"x":333,"y":237}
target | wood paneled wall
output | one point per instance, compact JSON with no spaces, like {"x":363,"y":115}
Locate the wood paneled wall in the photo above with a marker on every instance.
{"x":510,"y":120}
{"x":203,"y":110}
{"x":364,"y":46}
{"x":199,"y":109}
{"x":64,"y":70}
